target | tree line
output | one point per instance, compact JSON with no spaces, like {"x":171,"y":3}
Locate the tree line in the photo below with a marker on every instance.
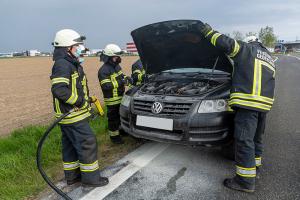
{"x":265,"y":35}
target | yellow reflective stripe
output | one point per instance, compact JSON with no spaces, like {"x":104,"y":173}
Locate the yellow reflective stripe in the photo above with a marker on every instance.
{"x":57,"y":108}
{"x":60,"y":80}
{"x":210,"y":32}
{"x":271,"y":67}
{"x":137,"y":71}
{"x":89,"y":167}
{"x":113,"y":133}
{"x":84,"y":105}
{"x":246,"y":168}
{"x":115,"y":84}
{"x":249,"y":104}
{"x":105,"y":81}
{"x":112,"y":103}
{"x":258,"y":161}
{"x":119,"y":73}
{"x":246,"y":172}
{"x":71,"y":165}
{"x":74,"y":96}
{"x":214,"y":38}
{"x":112,"y":99}
{"x":67,"y":163}
{"x":75,"y":114}
{"x":140,"y":77}
{"x":252,"y":97}
{"x":257,"y":78}
{"x":85,"y":89}
{"x":75,"y":119}
{"x":236,"y":49}
{"x":268,"y":65}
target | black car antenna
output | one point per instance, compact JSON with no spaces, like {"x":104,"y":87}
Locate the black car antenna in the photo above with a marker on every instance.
{"x":213,"y":70}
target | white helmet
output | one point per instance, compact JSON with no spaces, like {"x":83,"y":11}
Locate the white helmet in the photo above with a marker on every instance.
{"x":67,"y":38}
{"x":251,"y":38}
{"x":112,"y":50}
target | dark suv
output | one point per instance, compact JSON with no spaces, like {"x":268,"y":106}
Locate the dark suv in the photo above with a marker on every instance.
{"x":184,"y":98}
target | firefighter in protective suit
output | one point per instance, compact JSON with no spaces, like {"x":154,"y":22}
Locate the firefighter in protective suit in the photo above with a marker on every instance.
{"x":112,"y":82}
{"x":70,"y":91}
{"x":252,"y":96}
{"x":138,"y":73}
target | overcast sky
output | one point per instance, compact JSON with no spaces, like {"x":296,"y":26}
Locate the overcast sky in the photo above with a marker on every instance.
{"x":32,"y":24}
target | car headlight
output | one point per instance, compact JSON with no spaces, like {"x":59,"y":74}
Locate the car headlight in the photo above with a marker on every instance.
{"x":211,"y":106}
{"x":126,"y":100}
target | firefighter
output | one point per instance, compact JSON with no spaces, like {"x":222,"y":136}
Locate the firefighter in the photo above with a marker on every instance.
{"x":70,"y":91}
{"x":138,"y":73}
{"x":112,"y":82}
{"x":252,"y":96}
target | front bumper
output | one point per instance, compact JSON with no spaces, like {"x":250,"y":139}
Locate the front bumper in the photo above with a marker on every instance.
{"x":191,"y":129}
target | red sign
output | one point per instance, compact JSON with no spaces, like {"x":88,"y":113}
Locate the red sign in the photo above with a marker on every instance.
{"x":130,"y":47}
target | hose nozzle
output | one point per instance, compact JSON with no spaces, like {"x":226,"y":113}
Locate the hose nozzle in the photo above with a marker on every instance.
{"x":97,"y":104}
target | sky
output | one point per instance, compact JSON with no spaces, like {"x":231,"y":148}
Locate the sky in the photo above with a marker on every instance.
{"x":32,"y":24}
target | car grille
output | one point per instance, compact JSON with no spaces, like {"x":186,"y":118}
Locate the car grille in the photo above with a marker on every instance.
{"x":169,"y":108}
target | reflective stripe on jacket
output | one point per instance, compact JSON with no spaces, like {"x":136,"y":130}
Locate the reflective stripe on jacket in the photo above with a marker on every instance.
{"x":138,"y":73}
{"x":112,"y":83}
{"x":69,"y":87}
{"x":253,"y":77}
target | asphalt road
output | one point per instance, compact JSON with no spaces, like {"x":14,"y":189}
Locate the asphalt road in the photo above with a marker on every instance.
{"x":180,"y":172}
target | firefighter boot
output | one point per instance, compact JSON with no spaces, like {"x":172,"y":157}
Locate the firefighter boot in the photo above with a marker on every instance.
{"x":102,"y":182}
{"x":234,"y":184}
{"x":116,"y":139}
{"x":76,"y":180}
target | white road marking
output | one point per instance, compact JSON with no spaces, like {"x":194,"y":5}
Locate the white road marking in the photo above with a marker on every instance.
{"x":276,"y":58}
{"x":120,"y":177}
{"x":295,"y":57}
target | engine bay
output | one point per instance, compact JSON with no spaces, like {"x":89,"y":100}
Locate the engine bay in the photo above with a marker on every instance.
{"x":180,"y":87}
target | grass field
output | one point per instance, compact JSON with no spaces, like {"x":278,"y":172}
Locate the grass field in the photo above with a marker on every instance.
{"x":19,"y":177}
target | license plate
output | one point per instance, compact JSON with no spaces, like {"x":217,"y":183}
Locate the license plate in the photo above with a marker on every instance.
{"x":155,"y":122}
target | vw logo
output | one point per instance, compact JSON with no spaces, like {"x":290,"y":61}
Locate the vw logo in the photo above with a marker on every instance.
{"x":156,"y":108}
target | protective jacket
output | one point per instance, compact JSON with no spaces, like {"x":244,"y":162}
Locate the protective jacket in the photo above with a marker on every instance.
{"x":253,"y":77}
{"x":69,"y":87}
{"x":138,"y":73}
{"x":112,"y":82}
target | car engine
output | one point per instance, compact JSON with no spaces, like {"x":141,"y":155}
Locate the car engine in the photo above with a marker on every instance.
{"x":179,"y":87}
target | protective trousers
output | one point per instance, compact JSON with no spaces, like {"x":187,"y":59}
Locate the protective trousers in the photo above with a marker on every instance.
{"x":248,"y":131}
{"x":113,"y":117}
{"x":79,"y":148}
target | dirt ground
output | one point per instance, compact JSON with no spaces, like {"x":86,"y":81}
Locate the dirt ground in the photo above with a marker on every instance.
{"x":25,"y":96}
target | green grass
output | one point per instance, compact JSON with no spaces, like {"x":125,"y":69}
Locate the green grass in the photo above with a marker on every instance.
{"x":19,"y":177}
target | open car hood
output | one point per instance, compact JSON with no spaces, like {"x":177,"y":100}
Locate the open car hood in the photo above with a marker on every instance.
{"x":176,"y":44}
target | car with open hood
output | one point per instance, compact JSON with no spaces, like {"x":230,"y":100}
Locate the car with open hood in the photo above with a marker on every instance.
{"x":184,"y":97}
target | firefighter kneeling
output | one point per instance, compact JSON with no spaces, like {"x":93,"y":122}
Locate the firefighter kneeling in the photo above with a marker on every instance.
{"x":112,"y":82}
{"x":252,"y":96}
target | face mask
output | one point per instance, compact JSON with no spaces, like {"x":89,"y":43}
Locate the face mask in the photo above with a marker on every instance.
{"x":77,"y":52}
{"x":81,"y":60}
{"x":118,"y":60}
